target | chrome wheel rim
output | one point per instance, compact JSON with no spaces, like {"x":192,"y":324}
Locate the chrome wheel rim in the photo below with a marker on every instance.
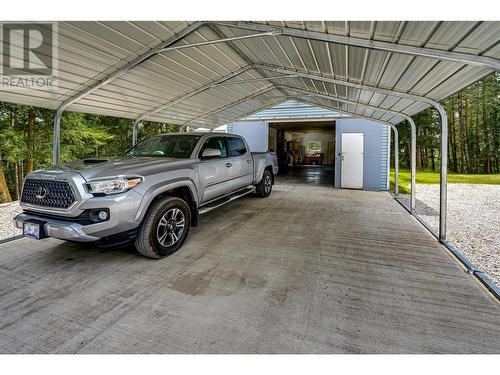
{"x":170,"y":227}
{"x":267,"y":183}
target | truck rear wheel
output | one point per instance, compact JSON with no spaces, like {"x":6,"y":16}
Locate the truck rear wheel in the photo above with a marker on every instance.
{"x":164,"y":228}
{"x":265,"y":186}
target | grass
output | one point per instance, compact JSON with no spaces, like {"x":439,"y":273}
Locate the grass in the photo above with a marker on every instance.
{"x":431,"y":177}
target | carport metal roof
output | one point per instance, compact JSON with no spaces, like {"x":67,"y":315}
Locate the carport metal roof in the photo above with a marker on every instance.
{"x":205,"y":74}
{"x":138,"y":69}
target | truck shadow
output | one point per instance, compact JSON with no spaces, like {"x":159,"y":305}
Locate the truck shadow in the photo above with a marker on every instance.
{"x":74,"y":251}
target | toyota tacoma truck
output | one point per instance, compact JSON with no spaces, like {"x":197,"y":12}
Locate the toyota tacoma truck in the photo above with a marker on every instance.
{"x":151,"y":195}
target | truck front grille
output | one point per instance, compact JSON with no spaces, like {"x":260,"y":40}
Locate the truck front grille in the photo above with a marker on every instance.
{"x":47,"y":193}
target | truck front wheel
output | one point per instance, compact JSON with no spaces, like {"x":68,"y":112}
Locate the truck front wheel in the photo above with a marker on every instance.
{"x":265,"y":186}
{"x":164,"y":228}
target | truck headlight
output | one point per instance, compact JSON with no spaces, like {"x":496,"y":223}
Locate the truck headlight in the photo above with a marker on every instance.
{"x":114,"y":186}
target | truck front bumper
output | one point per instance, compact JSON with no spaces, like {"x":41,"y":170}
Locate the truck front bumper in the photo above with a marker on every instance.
{"x":63,"y":230}
{"x":122,"y":211}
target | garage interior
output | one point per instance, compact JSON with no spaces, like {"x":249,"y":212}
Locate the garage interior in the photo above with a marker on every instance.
{"x":311,"y":269}
{"x":306,"y":151}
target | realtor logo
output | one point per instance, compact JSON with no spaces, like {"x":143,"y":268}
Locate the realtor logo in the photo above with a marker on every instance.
{"x":28,"y":55}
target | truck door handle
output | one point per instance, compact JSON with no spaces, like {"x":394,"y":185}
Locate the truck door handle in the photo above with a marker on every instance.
{"x":229,"y":165}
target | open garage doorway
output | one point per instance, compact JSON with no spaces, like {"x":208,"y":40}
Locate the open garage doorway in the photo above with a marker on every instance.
{"x":305,"y":151}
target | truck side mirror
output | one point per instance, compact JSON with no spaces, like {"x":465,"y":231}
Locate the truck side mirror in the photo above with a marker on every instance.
{"x":211,"y":153}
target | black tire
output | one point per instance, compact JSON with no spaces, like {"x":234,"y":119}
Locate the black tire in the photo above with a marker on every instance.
{"x":265,"y":186}
{"x":159,"y":228}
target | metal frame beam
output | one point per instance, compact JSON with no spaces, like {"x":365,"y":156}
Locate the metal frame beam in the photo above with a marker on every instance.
{"x":464,"y":58}
{"x":276,"y":102}
{"x":255,"y":80}
{"x":222,"y":40}
{"x":346,"y":101}
{"x":279,"y":100}
{"x":335,"y":81}
{"x":219,"y":82}
{"x":234,"y":47}
{"x":215,"y":83}
{"x":164,"y":46}
{"x":110,"y":77}
{"x":185,"y":96}
{"x":239,"y":101}
{"x":396,"y":162}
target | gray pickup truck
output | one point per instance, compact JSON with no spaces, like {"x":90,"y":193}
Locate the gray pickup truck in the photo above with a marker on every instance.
{"x":151,"y":195}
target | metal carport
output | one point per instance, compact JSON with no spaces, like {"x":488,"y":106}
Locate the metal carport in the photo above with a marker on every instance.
{"x":205,"y":74}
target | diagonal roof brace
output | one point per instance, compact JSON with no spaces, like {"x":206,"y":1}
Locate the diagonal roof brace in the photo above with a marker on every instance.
{"x":185,"y":96}
{"x":335,"y":81}
{"x":346,"y":101}
{"x":278,"y":100}
{"x":464,"y":58}
{"x":234,"y":47}
{"x":223,"y":40}
{"x":254,"y":80}
{"x":218,"y":82}
{"x":239,"y":101}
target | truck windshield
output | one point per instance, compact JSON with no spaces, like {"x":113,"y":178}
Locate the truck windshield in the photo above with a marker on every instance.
{"x":168,"y":146}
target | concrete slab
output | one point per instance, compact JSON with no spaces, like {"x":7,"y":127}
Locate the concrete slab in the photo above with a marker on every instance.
{"x":316,"y":175}
{"x":308,"y":270}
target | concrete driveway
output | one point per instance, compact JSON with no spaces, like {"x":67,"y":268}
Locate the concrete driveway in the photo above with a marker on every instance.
{"x":308,"y":270}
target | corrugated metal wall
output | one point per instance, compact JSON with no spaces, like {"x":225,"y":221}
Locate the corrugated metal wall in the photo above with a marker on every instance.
{"x":376,"y":151}
{"x":384,"y":155}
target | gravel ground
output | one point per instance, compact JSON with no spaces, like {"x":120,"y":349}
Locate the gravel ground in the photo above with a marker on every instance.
{"x":473,"y":221}
{"x":7,"y":213}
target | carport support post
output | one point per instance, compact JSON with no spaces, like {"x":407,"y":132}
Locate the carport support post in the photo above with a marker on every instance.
{"x":135,"y":129}
{"x":443,"y":183}
{"x":413,"y":162}
{"x":57,"y":136}
{"x":396,"y":160}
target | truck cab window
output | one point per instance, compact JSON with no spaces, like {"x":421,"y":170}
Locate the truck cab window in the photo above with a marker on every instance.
{"x":236,"y":147}
{"x":217,"y":143}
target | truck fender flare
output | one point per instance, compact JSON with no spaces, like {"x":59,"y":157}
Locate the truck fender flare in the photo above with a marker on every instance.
{"x":260,"y":167}
{"x":160,"y":188}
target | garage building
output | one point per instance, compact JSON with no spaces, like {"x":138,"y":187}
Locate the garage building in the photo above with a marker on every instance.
{"x":354,"y":152}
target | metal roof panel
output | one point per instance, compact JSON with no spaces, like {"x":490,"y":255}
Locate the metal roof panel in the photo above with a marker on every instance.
{"x":90,"y":51}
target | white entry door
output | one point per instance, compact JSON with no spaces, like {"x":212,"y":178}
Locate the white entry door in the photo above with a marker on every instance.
{"x":351,"y":175}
